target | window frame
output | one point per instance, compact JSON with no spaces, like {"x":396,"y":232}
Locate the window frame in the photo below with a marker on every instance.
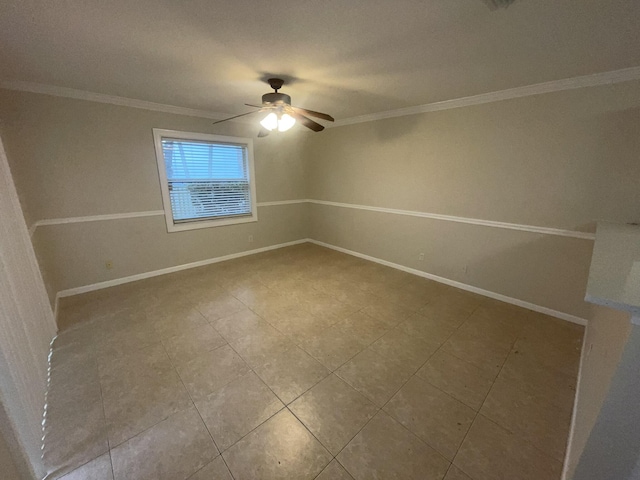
{"x":158,"y":135}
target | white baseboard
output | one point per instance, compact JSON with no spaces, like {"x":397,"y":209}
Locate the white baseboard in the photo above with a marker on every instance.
{"x":462,"y":286}
{"x":163,"y":271}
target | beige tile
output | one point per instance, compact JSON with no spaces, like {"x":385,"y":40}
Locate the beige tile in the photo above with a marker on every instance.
{"x":139,"y":390}
{"x":321,"y":304}
{"x":189,"y":344}
{"x":551,"y":385}
{"x":446,"y":313}
{"x":318,"y":293}
{"x":334,"y":412}
{"x":553,"y":330}
{"x":249,"y":291}
{"x":477,"y":350}
{"x":237,"y":408}
{"x":541,"y":423}
{"x":493,"y":326}
{"x":489,"y":452}
{"x":299,"y":324}
{"x":280,"y":448}
{"x":274,"y":304}
{"x":175,"y":320}
{"x":260,"y":346}
{"x":404,"y":349}
{"x":460,"y":379}
{"x":455,"y":473}
{"x":219,"y":306}
{"x":429,"y":329}
{"x":332,"y":347}
{"x":334,"y":471}
{"x":210,"y":371}
{"x":291,"y":372}
{"x":124,"y":332}
{"x":375,"y":376}
{"x":75,"y":431}
{"x":457,"y":299}
{"x":352,"y":295}
{"x":552,"y":354}
{"x":439,"y":420}
{"x":173,"y":449}
{"x":98,"y":469}
{"x":423,"y":286}
{"x":407,"y":295}
{"x":389,"y":313}
{"x":239,"y":324}
{"x":385,"y":449}
{"x":362,"y":327}
{"x":216,"y":470}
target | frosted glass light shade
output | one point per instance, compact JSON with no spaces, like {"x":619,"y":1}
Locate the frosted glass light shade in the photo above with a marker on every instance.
{"x":270,"y":121}
{"x":286,"y":122}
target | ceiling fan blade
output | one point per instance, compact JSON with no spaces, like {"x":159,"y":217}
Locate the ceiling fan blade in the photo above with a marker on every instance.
{"x":231,"y":118}
{"x":263,"y":132}
{"x":254,"y":106}
{"x":312,"y":113}
{"x":307,"y":122}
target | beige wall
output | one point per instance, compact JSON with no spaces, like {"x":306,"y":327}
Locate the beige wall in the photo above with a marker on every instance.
{"x":7,"y":465}
{"x":541,"y":269}
{"x":27,"y":327}
{"x":76,"y":158}
{"x":605,"y":339}
{"x":74,"y":254}
{"x":561,"y":160}
{"x":612,"y":451}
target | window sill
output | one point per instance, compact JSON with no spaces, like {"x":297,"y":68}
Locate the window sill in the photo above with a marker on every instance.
{"x":183,"y":227}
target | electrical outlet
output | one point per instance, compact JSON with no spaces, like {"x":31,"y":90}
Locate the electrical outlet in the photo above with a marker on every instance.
{"x":465,"y":268}
{"x":421,"y":257}
{"x":108,"y":264}
{"x":250,"y":238}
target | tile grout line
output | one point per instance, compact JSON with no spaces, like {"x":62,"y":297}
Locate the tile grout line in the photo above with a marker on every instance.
{"x":415,"y":375}
{"x":285,"y":406}
{"x":515,"y":433}
{"x":104,"y":416}
{"x":381,"y":409}
{"x":105,"y":424}
{"x":331,"y":372}
{"x":193,"y":403}
{"x":482,"y":405}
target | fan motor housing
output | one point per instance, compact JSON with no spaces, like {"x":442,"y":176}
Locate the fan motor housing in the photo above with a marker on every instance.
{"x":276,"y":98}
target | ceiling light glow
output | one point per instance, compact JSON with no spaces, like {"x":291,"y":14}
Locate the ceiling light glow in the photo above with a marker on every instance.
{"x":286,"y":122}
{"x":270,"y":121}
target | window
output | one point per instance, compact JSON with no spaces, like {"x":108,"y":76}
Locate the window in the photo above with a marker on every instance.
{"x":206,"y":180}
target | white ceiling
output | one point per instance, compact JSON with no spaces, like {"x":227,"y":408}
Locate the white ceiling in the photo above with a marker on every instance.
{"x":345,"y":57}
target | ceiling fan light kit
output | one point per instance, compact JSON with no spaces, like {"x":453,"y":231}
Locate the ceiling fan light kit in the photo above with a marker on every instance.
{"x":281,"y":115}
{"x":280,"y":121}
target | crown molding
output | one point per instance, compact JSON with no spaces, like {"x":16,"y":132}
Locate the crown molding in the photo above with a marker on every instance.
{"x":110,"y":99}
{"x":594,"y":80}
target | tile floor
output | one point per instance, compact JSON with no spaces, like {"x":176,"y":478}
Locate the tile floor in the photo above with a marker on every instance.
{"x":305,"y":363}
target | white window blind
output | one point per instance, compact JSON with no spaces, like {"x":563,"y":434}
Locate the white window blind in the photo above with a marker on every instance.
{"x":206,"y":180}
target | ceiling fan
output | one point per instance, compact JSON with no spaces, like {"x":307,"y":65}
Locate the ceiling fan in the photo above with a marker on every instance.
{"x":281,"y":114}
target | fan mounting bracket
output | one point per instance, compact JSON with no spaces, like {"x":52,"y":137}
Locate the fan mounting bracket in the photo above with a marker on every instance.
{"x":275,"y":83}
